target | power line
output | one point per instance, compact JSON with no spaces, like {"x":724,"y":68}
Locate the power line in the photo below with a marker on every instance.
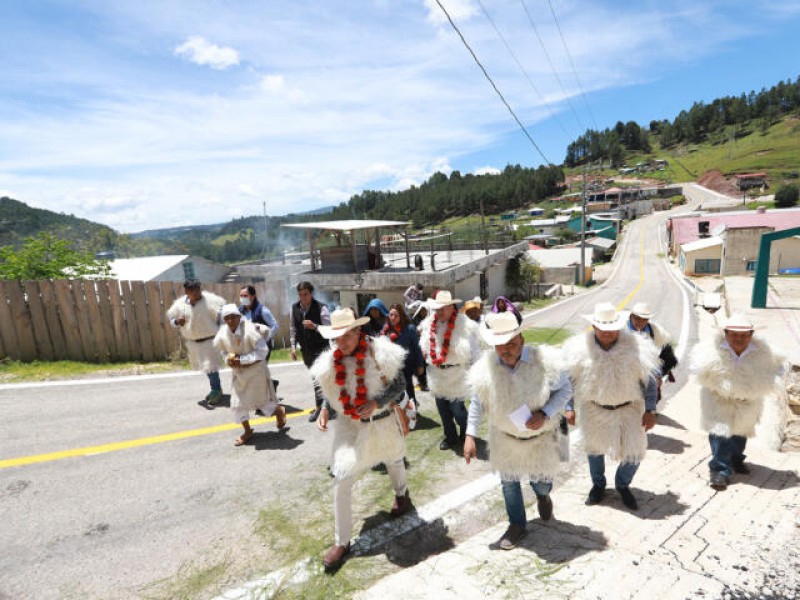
{"x":489,"y":79}
{"x":551,"y":112}
{"x":552,"y":67}
{"x":574,"y":70}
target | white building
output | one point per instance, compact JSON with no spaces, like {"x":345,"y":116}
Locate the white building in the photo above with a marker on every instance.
{"x":168,"y":267}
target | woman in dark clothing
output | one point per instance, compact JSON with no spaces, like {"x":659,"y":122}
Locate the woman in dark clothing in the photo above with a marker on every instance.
{"x":502,"y":304}
{"x":401,"y":331}
{"x":377,"y":312}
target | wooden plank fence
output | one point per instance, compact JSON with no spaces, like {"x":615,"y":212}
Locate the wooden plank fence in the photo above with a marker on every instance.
{"x":106,"y":321}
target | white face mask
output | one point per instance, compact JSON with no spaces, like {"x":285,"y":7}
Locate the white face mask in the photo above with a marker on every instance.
{"x":244,"y":300}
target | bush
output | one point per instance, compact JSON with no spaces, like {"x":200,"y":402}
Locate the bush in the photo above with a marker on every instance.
{"x":786,"y":196}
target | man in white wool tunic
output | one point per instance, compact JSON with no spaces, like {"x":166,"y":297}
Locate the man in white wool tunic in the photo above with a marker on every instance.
{"x":367,"y":431}
{"x":509,"y":376}
{"x":738,"y":374}
{"x":613,"y":373}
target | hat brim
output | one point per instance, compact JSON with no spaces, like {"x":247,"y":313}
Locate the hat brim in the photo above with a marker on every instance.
{"x":331,"y":333}
{"x":498,"y":339}
{"x":647,"y":316}
{"x":434,"y":305}
{"x":616,"y":325}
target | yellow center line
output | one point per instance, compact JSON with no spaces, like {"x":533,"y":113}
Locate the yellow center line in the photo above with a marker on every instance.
{"x":635,"y":291}
{"x":158,"y":439}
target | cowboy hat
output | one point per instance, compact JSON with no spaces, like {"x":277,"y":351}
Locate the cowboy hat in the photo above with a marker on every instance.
{"x":342,"y":321}
{"x":476,"y":302}
{"x":738,"y":322}
{"x":606,"y":317}
{"x":500,"y":328}
{"x":642,"y":310}
{"x":443,"y":298}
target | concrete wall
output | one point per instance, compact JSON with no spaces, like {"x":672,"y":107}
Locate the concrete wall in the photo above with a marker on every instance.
{"x":687,"y":259}
{"x":784,"y":254}
{"x":741,"y":246}
{"x":563,"y":275}
{"x":496,"y":281}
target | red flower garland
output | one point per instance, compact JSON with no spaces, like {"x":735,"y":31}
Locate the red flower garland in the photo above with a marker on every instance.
{"x":348,"y":404}
{"x":394,"y":334}
{"x":451,"y":324}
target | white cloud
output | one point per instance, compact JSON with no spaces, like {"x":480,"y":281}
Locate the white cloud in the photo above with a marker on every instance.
{"x":247,"y":190}
{"x":487,"y":171}
{"x":201,"y":52}
{"x":272,"y":83}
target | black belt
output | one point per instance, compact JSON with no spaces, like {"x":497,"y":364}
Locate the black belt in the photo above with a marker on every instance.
{"x":378,"y":417}
{"x":211,"y":337}
{"x":613,"y":406}
{"x":521,"y":438}
{"x":446,"y":366}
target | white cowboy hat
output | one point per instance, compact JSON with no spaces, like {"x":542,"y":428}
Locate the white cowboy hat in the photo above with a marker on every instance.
{"x":230,"y":310}
{"x":739,"y":322}
{"x":476,"y":302}
{"x":342,"y":321}
{"x":642,"y":310}
{"x":500,"y":328}
{"x":442,"y":298}
{"x":606,"y":317}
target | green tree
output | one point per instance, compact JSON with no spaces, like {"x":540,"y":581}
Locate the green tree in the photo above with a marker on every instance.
{"x":522,"y":275}
{"x":787,"y":196}
{"x":47,"y":257}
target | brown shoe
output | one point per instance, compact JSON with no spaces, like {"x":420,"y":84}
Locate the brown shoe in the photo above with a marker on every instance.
{"x":545,"y":506}
{"x":280,"y":417}
{"x":512,"y":536}
{"x":334,"y":557}
{"x":402,"y":504}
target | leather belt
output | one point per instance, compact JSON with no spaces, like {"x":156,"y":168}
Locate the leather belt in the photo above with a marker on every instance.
{"x":205,"y":339}
{"x":613,"y":406}
{"x":521,"y":438}
{"x":378,"y":417}
{"x":446,"y":366}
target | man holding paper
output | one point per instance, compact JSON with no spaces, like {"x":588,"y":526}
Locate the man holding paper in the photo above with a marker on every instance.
{"x":522,"y":390}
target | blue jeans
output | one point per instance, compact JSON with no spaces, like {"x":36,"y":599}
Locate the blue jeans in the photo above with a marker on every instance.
{"x":726,"y":452}
{"x":623,"y":477}
{"x":213,"y":379}
{"x":452,"y":412}
{"x":515,"y":506}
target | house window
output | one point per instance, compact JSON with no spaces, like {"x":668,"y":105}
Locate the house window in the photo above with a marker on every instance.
{"x":751,"y":265}
{"x":707,"y":265}
{"x":188,"y":270}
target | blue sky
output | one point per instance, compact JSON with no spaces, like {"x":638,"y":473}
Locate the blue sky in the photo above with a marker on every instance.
{"x":143,"y":114}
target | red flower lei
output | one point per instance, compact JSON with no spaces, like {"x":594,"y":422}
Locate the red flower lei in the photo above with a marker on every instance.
{"x":348,"y":404}
{"x":451,"y":324}
{"x":393,"y":335}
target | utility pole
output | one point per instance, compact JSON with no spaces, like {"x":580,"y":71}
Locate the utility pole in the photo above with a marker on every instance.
{"x":582,"y":277}
{"x":484,"y":240}
{"x":266,"y":235}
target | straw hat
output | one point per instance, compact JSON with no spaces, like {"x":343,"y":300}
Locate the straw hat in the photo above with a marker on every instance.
{"x":476,"y":302}
{"x":342,"y":321}
{"x":739,"y":322}
{"x":606,"y":317}
{"x":642,"y":310}
{"x":500,"y":328}
{"x":443,"y":298}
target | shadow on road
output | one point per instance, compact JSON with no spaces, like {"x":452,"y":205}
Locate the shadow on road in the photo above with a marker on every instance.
{"x":275,"y":440}
{"x":776,"y":479}
{"x":667,"y":422}
{"x":560,"y":541}
{"x":414,"y":547}
{"x":666,"y":445}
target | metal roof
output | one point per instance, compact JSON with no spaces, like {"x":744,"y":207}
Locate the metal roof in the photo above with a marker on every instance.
{"x":701,"y":243}
{"x":349,"y":225}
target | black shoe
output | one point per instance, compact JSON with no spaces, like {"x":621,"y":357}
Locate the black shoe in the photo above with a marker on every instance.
{"x":445,"y":445}
{"x":313,"y":416}
{"x":627,"y":498}
{"x":741,"y":468}
{"x":545,"y":507}
{"x":511,"y":537}
{"x":596,"y":494}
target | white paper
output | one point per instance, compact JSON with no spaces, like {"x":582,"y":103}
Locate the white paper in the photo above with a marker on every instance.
{"x":520,"y":416}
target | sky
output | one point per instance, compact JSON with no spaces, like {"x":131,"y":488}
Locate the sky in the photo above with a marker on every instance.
{"x":143,"y":114}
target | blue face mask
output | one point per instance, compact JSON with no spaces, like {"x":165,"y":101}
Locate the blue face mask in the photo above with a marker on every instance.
{"x":244,"y":301}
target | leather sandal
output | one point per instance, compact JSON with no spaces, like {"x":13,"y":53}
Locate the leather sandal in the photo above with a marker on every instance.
{"x":335,"y":557}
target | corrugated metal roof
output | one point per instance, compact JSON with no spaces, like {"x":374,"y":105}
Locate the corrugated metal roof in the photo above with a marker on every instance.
{"x":349,"y":225}
{"x":560,"y":257}
{"x":144,"y":268}
{"x":702,"y":243}
{"x":685,"y":229}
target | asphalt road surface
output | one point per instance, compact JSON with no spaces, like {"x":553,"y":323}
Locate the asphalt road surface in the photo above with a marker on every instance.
{"x":108,"y":522}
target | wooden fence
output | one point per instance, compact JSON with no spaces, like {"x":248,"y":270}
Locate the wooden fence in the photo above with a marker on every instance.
{"x":99,"y":321}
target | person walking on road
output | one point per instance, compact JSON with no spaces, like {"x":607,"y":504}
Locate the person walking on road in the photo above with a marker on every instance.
{"x":253,"y":310}
{"x":449,"y":344}
{"x":523,"y":391}
{"x":738,"y":374}
{"x":613,"y":375}
{"x":363,"y":377}
{"x":197,"y":316}
{"x":245,"y":347}
{"x":640,"y":321}
{"x":308,"y":314}
{"x":402,"y":332}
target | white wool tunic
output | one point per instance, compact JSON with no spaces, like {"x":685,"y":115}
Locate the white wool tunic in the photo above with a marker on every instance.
{"x":661,"y":336}
{"x":611,"y":378}
{"x":359,"y":446}
{"x":252,"y":384}
{"x":518,"y":455}
{"x":451,"y":382}
{"x":734,"y":390}
{"x":201,"y":324}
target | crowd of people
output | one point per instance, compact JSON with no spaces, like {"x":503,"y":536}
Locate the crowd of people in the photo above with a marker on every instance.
{"x":477,"y":366}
